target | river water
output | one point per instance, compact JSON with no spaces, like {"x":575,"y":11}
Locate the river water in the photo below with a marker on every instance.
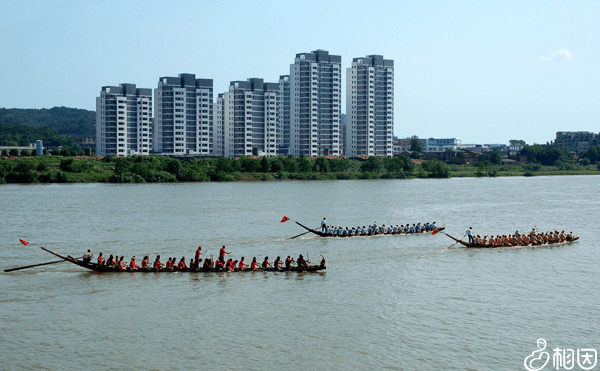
{"x":386,"y":302}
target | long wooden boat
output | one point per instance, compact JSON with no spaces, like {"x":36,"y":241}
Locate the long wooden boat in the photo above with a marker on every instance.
{"x":324,"y":234}
{"x":478,"y":246}
{"x":106,"y":269}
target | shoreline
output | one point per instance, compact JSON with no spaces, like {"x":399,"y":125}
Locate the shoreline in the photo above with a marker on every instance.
{"x":55,"y":169}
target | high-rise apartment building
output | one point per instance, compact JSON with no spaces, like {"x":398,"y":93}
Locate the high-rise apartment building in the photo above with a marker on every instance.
{"x":370,"y":107}
{"x":249,"y":118}
{"x":218,"y":126}
{"x":183,"y":116}
{"x":283,"y":124}
{"x":315,"y":104}
{"x":124,"y":121}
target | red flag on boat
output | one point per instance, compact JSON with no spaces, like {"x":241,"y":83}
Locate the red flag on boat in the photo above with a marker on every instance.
{"x":284,"y":219}
{"x":25,"y":243}
{"x":435,"y":232}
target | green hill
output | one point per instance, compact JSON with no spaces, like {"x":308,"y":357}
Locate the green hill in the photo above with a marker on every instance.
{"x":67,"y":121}
{"x":21,"y":135}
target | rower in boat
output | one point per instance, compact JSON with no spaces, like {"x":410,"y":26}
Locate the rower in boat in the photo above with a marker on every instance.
{"x":121,"y":265}
{"x":157,"y":264}
{"x":369,"y":231}
{"x":192,"y":264}
{"x":265,"y":263}
{"x":168,"y":264}
{"x":100,"y":259}
{"x":322,"y":264}
{"x":277,"y":264}
{"x":87,"y":257}
{"x":242,"y":264}
{"x":288,"y":262}
{"x":301,"y":263}
{"x":219,"y":265}
{"x":230,"y":265}
{"x":254,"y":264}
{"x":207,"y":266}
{"x":145,"y":262}
{"x":111,"y":261}
{"x":132,"y":264}
{"x":412,"y":228}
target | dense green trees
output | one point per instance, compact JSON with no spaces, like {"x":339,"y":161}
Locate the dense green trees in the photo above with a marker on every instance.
{"x":436,"y":169}
{"x":16,"y":135}
{"x":494,"y":157}
{"x":592,"y":154}
{"x":545,"y":155}
{"x":415,"y":144}
{"x":140,"y":169}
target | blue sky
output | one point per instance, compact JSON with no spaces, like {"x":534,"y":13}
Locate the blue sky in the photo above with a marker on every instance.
{"x":483,"y":71}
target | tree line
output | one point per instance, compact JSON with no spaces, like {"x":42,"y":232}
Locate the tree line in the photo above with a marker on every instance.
{"x":141,"y":169}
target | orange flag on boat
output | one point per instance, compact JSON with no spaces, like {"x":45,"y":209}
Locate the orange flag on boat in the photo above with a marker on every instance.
{"x":25,"y":243}
{"x":435,"y":232}
{"x":284,"y":219}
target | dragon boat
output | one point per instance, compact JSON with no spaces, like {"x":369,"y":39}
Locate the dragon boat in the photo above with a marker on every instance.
{"x":325,"y":234}
{"x":106,"y":269}
{"x":480,"y":246}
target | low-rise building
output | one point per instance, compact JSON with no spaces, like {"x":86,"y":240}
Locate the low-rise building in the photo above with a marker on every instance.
{"x":85,"y":142}
{"x":440,"y":144}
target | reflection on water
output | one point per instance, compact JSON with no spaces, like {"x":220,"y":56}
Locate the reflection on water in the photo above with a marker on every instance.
{"x":398,"y":302}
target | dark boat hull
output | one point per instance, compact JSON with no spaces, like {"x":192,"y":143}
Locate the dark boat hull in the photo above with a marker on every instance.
{"x":323,"y":234}
{"x":476,"y":246}
{"x":109,"y":269}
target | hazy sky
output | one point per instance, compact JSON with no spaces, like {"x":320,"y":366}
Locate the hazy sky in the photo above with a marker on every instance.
{"x":483,"y":71}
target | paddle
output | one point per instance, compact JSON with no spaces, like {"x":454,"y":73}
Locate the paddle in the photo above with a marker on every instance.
{"x":455,"y":242}
{"x":301,"y":234}
{"x":34,"y":265}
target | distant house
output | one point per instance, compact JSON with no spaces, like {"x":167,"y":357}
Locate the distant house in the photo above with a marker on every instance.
{"x":84,"y":142}
{"x":461,"y":157}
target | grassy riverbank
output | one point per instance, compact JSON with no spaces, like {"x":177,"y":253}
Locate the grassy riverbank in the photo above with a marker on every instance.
{"x":142,"y":169}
